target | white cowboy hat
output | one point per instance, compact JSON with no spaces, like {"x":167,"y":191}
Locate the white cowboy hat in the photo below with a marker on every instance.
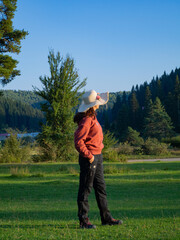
{"x":92,"y":98}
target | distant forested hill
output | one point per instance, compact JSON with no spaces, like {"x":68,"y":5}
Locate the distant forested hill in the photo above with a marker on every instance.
{"x":21,"y":109}
{"x":27,"y":97}
{"x":34,"y":100}
{"x":19,"y":112}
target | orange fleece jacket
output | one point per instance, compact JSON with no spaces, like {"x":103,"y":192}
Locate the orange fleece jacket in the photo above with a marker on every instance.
{"x":88,"y":137}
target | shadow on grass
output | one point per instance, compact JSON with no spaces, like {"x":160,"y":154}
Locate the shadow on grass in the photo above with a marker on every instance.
{"x":144,"y":176}
{"x":65,"y":190}
{"x":68,"y":178}
{"x":147,"y":166}
{"x":30,"y":226}
{"x":66,"y":215}
{"x":139,"y":200}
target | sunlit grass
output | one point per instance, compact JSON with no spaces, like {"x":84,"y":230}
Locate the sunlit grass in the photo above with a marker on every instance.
{"x":146,"y":198}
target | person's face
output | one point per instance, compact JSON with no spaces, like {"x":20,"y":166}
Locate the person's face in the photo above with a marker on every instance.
{"x":96,"y":107}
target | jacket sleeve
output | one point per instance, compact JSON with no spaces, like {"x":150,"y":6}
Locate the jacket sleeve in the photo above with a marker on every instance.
{"x":80,"y":137}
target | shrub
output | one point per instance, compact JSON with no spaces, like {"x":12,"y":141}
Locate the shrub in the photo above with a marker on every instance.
{"x":138,"y":150}
{"x":50,"y":153}
{"x":174,"y":141}
{"x":122,"y":158}
{"x":111,"y":155}
{"x":109,"y":140}
{"x":125,"y":148}
{"x":153,"y":147}
{"x":13,"y":152}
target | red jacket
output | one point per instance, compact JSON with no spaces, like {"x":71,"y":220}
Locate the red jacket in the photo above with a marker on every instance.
{"x":88,"y":137}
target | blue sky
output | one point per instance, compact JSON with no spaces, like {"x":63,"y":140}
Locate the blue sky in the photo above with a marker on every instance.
{"x":115,"y":43}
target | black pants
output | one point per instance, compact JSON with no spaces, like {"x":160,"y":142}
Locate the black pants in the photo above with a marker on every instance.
{"x":92,"y":176}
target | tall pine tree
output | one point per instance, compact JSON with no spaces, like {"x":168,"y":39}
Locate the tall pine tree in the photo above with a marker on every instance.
{"x":60,"y":91}
{"x":10,"y":41}
{"x":157,"y":122}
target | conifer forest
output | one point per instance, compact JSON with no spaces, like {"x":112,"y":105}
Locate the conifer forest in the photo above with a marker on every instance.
{"x":151,"y":105}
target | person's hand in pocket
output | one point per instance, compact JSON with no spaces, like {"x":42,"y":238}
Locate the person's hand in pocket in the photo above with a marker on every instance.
{"x":91,"y":160}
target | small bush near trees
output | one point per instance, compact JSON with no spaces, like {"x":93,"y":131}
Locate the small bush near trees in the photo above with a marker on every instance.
{"x":13,"y":151}
{"x":109,"y":140}
{"x":122,"y":158}
{"x":173,"y":141}
{"x":153,"y":147}
{"x":111,"y":155}
{"x":125,"y":148}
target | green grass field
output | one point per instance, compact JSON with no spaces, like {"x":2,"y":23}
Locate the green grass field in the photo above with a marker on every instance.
{"x":40,"y":202}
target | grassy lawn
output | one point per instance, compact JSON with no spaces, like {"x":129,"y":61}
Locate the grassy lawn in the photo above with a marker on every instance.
{"x":42,"y":203}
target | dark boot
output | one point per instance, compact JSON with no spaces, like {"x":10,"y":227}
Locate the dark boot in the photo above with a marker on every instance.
{"x":86,"y":224}
{"x":113,"y":222}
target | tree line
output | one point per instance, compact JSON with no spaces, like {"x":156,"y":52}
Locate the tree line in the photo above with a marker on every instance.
{"x":27,"y":97}
{"x":18,"y":115}
{"x":22,"y":110}
{"x":146,"y":107}
{"x":137,"y":117}
{"x":124,"y":109}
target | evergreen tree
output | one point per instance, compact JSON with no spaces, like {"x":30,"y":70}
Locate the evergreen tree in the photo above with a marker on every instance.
{"x":115,"y":111}
{"x":157,"y":122}
{"x":134,"y":102}
{"x":177,"y":101}
{"x":60,"y":91}
{"x":159,"y":92}
{"x":109,"y":140}
{"x":133,"y":137}
{"x":106,"y":120}
{"x":124,"y":98}
{"x":10,"y":41}
{"x":147,"y":96}
{"x":122,"y":121}
{"x":134,"y":108}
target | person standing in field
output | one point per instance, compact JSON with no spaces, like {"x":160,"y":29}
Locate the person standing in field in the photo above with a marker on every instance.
{"x":88,"y":139}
